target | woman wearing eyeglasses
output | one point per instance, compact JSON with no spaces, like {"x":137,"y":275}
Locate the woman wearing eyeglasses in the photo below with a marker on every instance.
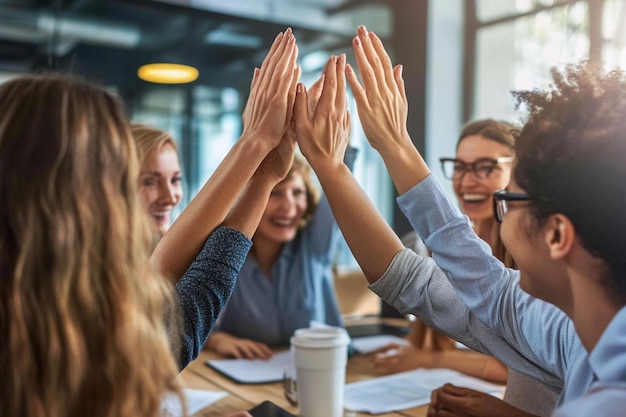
{"x":563,"y":222}
{"x":484,"y":156}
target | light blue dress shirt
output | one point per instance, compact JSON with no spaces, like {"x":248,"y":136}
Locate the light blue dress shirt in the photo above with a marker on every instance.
{"x":301,"y":289}
{"x":537,"y":330}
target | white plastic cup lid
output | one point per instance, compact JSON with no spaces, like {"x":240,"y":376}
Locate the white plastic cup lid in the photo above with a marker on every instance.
{"x":320,"y":337}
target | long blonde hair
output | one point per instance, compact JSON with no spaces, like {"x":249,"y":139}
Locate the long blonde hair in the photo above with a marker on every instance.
{"x":81,"y":312}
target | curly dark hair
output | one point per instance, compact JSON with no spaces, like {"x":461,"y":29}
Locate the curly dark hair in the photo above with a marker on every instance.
{"x":571,"y":158}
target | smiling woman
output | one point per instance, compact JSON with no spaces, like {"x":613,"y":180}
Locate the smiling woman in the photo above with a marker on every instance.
{"x":160,"y":177}
{"x":287,"y":279}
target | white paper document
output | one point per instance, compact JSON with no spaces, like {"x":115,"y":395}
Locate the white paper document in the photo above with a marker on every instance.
{"x":368,"y":344}
{"x":255,"y":371}
{"x":407,"y":389}
{"x":196,"y":400}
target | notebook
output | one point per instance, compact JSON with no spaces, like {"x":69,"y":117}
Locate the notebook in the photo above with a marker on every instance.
{"x":254,"y":371}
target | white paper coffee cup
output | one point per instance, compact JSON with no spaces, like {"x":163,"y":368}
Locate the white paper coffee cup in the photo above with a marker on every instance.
{"x":319,"y":357}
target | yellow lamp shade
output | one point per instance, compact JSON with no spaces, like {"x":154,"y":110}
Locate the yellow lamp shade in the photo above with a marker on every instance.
{"x":165,"y":73}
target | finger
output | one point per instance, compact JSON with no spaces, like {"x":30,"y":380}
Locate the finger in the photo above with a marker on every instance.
{"x":291,"y":96}
{"x":277,"y":49}
{"x":397,"y":73}
{"x":247,"y":351}
{"x":255,"y":76}
{"x":434,"y":398}
{"x":266,"y":351}
{"x":385,"y":62}
{"x":279,"y":41}
{"x":357,"y":91}
{"x":451,"y":401}
{"x":275,"y":63}
{"x":283,"y":66}
{"x":329,"y":91}
{"x":235,"y":353}
{"x":252,"y":94}
{"x":301,"y":119}
{"x":261,"y":351}
{"x":373,"y":58}
{"x":340,"y":73}
{"x":314,"y":94}
{"x":366,"y":61}
{"x":459,"y":391}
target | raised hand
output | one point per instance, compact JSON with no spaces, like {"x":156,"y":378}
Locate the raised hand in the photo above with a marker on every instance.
{"x":268,"y":110}
{"x":382,"y":107}
{"x":323,"y":131}
{"x":381,"y":100}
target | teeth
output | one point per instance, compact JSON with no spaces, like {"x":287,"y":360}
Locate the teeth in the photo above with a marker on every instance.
{"x":282,"y":222}
{"x":475,"y":197}
{"x":160,"y":213}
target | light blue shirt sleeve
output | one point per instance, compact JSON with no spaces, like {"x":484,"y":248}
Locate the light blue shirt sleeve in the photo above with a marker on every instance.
{"x":415,"y":284}
{"x":537,"y":330}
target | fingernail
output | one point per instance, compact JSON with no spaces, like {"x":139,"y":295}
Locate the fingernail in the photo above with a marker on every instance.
{"x":300,"y":88}
{"x":357,"y":41}
{"x":278,"y":37}
{"x":349,"y":68}
{"x":401,"y":69}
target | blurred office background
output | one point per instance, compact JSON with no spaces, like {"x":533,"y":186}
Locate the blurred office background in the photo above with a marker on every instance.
{"x":461,"y":60}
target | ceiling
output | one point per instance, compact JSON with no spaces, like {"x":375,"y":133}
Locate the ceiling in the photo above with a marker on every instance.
{"x":107,"y":40}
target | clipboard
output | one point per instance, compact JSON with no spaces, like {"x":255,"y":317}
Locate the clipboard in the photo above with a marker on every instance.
{"x":254,"y":371}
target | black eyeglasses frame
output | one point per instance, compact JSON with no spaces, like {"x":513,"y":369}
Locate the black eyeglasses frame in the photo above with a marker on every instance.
{"x":500,"y":197}
{"x":472,"y":165}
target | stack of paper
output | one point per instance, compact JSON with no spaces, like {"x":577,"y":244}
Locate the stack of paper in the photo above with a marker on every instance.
{"x":407,"y":389}
{"x":195,"y":399}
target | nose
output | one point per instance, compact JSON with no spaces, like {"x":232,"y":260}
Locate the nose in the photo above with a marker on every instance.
{"x":467,"y":176}
{"x":287,"y":201}
{"x":169,"y":193}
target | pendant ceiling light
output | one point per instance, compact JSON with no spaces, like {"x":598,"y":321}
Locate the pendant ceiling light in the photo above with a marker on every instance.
{"x":165,"y":73}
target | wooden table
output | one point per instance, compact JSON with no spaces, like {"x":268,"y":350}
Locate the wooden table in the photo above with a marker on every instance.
{"x":245,"y":396}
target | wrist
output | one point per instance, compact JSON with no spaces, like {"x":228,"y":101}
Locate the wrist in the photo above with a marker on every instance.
{"x":257,"y":143}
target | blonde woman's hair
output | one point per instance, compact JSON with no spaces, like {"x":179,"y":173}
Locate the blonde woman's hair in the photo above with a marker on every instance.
{"x":148,"y":138}
{"x":81,"y":313}
{"x":301,"y":166}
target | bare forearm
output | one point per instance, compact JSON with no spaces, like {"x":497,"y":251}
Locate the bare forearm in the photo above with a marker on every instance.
{"x":182,"y":242}
{"x":470,"y":363}
{"x":248,"y":209}
{"x":371,"y":240}
{"x":405,"y":165}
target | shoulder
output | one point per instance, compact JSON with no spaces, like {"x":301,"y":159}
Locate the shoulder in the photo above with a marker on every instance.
{"x":607,"y":400}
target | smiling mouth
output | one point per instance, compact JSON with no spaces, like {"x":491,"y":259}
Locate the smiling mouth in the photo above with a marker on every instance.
{"x":283,"y":222}
{"x":160,"y":215}
{"x":475,"y":198}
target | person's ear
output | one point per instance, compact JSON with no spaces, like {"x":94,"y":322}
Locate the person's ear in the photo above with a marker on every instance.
{"x":560,"y":235}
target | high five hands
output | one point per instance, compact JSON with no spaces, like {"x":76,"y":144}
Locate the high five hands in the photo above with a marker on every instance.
{"x":319,"y":119}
